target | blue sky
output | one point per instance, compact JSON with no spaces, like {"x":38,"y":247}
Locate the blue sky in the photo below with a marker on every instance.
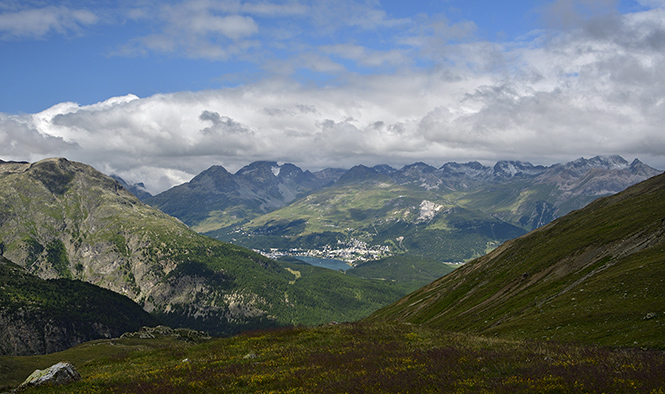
{"x":88,"y":61}
{"x":126,"y":85}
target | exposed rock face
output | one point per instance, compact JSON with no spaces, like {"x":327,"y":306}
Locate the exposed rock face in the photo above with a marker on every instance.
{"x":217,"y":202}
{"x":56,"y":375}
{"x":569,"y":186}
{"x":26,"y":333}
{"x":183,"y":334}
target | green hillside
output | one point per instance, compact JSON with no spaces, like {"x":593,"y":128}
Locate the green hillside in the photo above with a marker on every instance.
{"x":45,"y":316}
{"x":411,"y":271}
{"x":593,"y":276}
{"x":320,"y":295}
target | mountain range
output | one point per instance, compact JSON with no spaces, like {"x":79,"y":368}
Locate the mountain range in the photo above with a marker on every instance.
{"x":217,"y":198}
{"x":453,"y":213}
{"x":63,"y":219}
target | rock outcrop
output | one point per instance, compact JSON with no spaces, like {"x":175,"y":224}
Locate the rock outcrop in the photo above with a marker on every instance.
{"x":56,"y":375}
{"x":182,"y":334}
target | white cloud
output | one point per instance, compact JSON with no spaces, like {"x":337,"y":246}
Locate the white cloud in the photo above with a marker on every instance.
{"x":38,"y":22}
{"x":21,"y":140}
{"x":232,"y":26}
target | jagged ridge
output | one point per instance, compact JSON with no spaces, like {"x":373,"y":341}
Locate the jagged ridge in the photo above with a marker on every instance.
{"x":216,"y":198}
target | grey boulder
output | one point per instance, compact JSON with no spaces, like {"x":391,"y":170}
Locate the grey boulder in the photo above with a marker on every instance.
{"x":58,"y":374}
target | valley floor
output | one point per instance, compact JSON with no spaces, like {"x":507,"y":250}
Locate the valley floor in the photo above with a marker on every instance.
{"x":357,"y":358}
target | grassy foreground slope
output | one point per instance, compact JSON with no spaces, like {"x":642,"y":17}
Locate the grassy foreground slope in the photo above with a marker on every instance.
{"x":596,"y":276}
{"x":348,"y":358}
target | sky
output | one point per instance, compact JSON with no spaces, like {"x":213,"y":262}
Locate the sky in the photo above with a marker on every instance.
{"x":157,"y":91}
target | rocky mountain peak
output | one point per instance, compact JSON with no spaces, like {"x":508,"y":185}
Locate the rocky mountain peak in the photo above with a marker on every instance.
{"x":581,"y":165}
{"x":640,"y":169}
{"x":288,"y":171}
{"x":258,"y":169}
{"x":418,"y":167}
{"x":359,"y":174}
{"x":420,"y":174}
{"x":55,"y":174}
{"x":465,"y":172}
{"x":384,"y":169}
{"x":213,"y":171}
{"x":329,"y":175}
{"x":613,"y":162}
{"x":214,"y":178}
{"x":258,"y":187}
{"x":510,"y":169}
{"x":463,"y":168}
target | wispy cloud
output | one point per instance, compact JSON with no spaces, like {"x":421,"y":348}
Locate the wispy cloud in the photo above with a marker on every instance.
{"x":34,"y":23}
{"x":253,"y":31}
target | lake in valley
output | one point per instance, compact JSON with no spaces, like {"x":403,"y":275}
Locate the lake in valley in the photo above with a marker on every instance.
{"x":325,"y":263}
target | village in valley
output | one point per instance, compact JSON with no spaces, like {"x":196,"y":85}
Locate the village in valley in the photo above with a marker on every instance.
{"x":352,"y":252}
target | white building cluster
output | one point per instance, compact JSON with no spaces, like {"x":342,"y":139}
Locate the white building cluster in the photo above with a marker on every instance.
{"x":352,"y":252}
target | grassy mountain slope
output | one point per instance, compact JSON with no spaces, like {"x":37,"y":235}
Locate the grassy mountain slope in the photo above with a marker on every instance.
{"x":348,"y":358}
{"x":44,"y":316}
{"x":320,"y":294}
{"x":411,"y":271}
{"x":61,"y":219}
{"x":596,"y":275}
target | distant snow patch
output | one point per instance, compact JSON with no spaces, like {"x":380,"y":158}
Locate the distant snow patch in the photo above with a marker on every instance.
{"x":276,"y":170}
